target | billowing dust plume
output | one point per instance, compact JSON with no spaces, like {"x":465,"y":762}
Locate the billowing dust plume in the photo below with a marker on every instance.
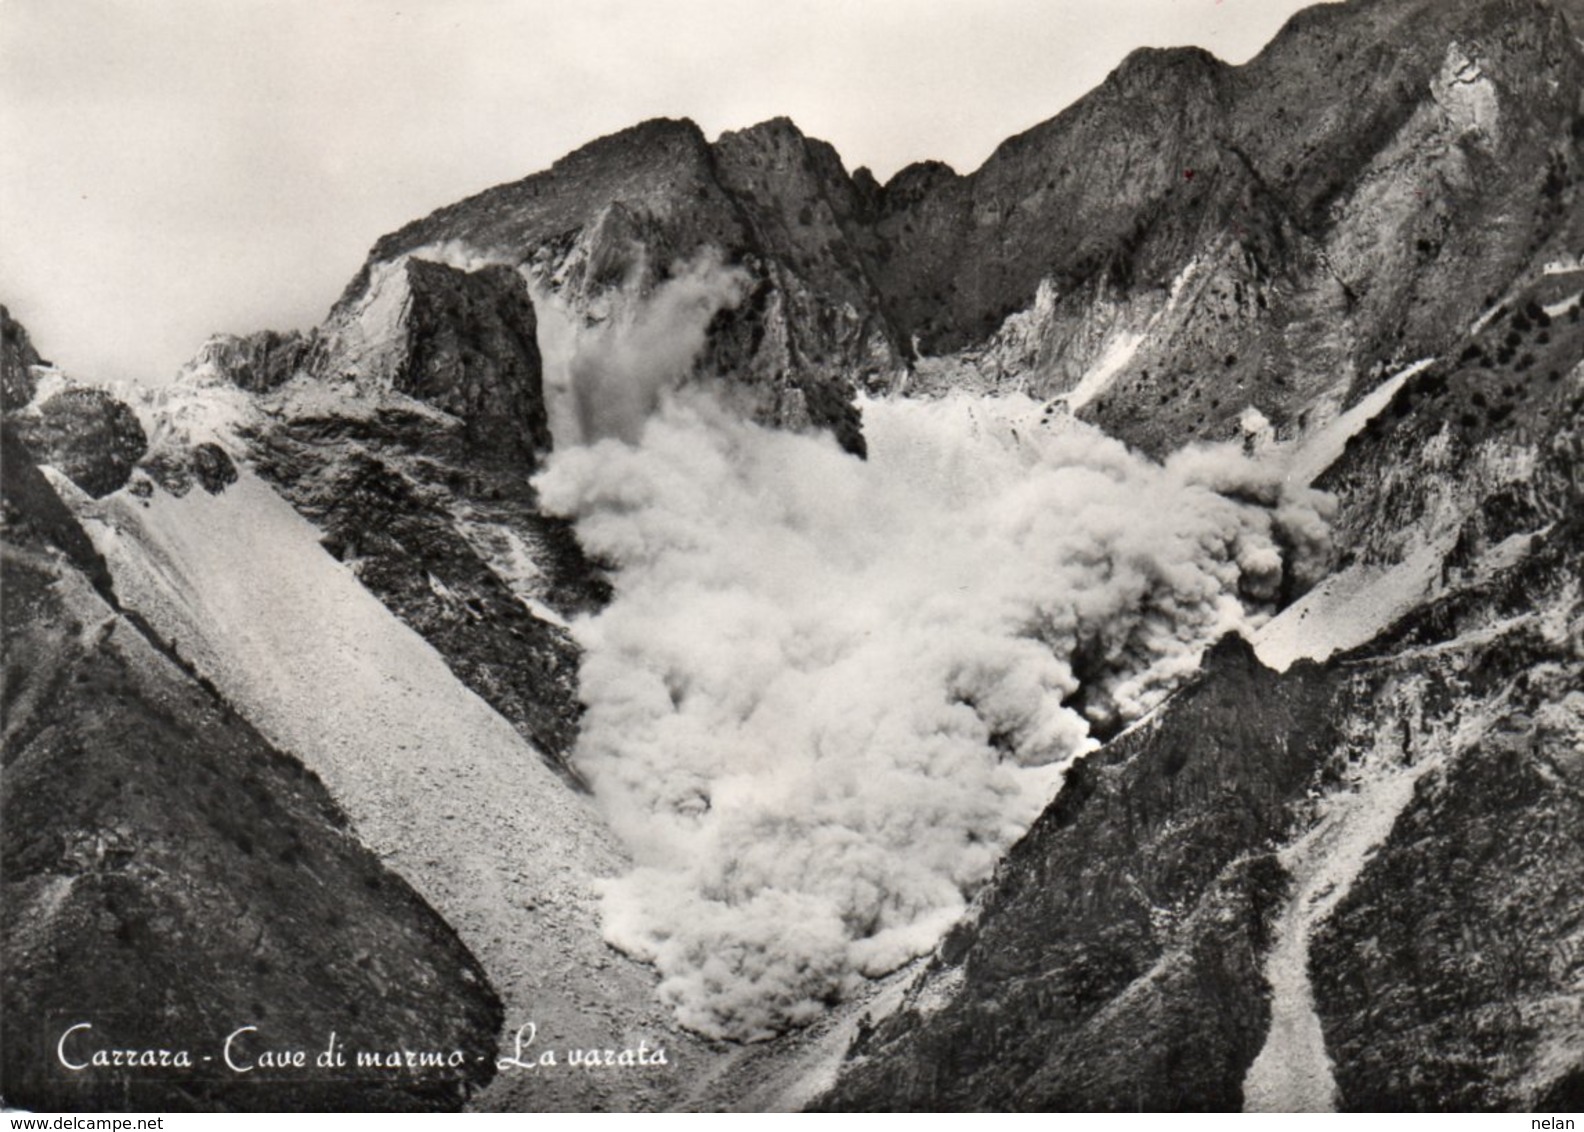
{"x":830,"y":693}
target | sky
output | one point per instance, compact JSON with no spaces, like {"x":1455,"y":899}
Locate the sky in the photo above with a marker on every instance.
{"x":174,"y":168}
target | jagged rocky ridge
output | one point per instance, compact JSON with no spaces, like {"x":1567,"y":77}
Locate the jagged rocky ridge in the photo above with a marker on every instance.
{"x":1188,"y":243}
{"x":1116,"y":961}
{"x":1390,"y":180}
{"x":1189,"y":239}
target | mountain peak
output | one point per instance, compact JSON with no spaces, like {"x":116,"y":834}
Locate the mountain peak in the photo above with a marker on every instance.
{"x":1157,"y":64}
{"x":780,"y":125}
{"x":651,"y":134}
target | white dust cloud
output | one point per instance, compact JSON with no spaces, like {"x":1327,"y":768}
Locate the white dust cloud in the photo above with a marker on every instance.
{"x":607,"y":365}
{"x":608,"y":357}
{"x":622,"y":366}
{"x":830,"y":693}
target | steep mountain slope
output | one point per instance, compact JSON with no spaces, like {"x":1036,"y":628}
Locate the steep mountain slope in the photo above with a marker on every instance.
{"x":1413,"y":956}
{"x":1198,"y":238}
{"x":171,"y":876}
{"x":1116,"y":961}
{"x":297,"y":626}
{"x":617,"y":217}
{"x":442,"y":788}
{"x":1447,"y":976}
{"x":1192,"y":250}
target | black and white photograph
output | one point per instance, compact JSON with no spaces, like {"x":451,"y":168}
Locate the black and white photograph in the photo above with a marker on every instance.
{"x":706,"y":556}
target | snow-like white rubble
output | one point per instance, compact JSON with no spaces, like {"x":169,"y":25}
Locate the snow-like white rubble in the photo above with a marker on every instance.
{"x":1293,"y":1072}
{"x":1323,"y":447}
{"x":1348,"y":608}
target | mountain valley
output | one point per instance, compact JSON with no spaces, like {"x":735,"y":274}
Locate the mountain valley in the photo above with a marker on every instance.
{"x":1103,"y":631}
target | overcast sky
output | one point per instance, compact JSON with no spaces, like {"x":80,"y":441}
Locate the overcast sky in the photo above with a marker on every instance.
{"x":171,"y":168}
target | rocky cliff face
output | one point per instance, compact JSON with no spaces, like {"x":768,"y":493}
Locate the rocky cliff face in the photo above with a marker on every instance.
{"x":1209,"y":238}
{"x":607,"y":224}
{"x":1148,"y":945}
{"x":1115,"y":962}
{"x":1411,"y":950}
{"x":1187,"y":245}
{"x":1446,"y":977}
{"x":1349,"y":884}
{"x":461,"y":341}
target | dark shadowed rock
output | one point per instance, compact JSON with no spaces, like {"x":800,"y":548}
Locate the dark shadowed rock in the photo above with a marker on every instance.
{"x":461,"y":341}
{"x":1114,"y":963}
{"x":435,"y":535}
{"x":90,"y":436}
{"x":35,"y":515}
{"x":471,"y":351}
{"x":434,"y":510}
{"x":213,"y":468}
{"x":1447,"y":979}
{"x":171,"y":470}
{"x":17,"y":355}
